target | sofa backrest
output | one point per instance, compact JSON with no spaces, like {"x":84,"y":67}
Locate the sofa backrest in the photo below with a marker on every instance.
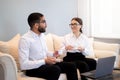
{"x":53,"y":42}
{"x":57,"y":41}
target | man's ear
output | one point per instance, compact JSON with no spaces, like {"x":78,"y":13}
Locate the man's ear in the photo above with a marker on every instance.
{"x":36,"y":25}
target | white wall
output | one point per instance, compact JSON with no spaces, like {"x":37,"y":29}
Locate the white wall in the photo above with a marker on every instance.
{"x":14,"y":13}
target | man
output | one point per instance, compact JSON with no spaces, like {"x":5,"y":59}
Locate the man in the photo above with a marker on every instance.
{"x":34,"y":57}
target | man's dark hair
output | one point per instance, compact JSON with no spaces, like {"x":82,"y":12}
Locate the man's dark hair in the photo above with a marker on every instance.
{"x":79,"y":20}
{"x":34,"y":18}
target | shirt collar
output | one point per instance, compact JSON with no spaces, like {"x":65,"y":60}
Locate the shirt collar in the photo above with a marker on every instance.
{"x":72,"y":35}
{"x":34,"y":34}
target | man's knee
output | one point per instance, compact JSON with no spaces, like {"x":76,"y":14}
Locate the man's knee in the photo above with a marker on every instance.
{"x":55,"y":69}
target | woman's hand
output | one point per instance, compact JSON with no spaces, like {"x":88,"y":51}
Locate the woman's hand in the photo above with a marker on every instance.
{"x":69,"y":47}
{"x":81,"y":49}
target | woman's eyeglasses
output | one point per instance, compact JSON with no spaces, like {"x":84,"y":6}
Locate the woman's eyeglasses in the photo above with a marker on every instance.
{"x":75,"y":24}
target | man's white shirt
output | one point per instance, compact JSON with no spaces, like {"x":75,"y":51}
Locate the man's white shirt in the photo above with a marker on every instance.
{"x":32,"y":50}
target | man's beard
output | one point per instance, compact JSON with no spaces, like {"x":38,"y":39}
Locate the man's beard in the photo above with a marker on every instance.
{"x":41,"y":30}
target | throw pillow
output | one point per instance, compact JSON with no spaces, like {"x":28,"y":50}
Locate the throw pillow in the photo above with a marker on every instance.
{"x":3,"y":47}
{"x":49,"y":42}
{"x":57,"y":41}
{"x":11,"y":47}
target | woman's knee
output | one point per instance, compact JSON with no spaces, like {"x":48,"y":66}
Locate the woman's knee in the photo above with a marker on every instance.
{"x":92,"y":63}
{"x":82,"y":66}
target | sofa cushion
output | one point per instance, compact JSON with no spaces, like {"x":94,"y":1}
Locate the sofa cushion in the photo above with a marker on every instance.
{"x":11,"y":47}
{"x":57,"y":41}
{"x":49,"y":42}
{"x":22,"y":76}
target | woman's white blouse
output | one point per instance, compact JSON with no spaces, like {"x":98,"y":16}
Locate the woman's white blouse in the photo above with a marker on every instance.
{"x":82,"y":41}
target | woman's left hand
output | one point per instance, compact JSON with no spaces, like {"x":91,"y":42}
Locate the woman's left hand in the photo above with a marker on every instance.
{"x":81,"y":49}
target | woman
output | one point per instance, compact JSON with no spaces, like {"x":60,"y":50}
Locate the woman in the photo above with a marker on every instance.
{"x":76,"y":46}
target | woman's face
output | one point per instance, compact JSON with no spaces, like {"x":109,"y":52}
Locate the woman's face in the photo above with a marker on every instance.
{"x":75,"y":26}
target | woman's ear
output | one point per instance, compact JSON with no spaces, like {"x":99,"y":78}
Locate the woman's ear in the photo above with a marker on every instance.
{"x":80,"y":26}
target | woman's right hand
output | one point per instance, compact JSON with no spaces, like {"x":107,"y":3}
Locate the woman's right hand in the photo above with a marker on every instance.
{"x":69,"y":47}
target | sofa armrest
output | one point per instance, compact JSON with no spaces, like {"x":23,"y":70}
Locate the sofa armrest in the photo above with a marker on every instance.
{"x":106,"y":46}
{"x":9,"y":66}
{"x":102,"y":49}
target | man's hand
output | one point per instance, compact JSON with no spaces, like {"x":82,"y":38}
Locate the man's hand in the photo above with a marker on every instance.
{"x":56,"y":54}
{"x":50,"y":60}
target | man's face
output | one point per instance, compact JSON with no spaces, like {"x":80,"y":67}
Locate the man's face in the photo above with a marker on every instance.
{"x":42,"y":25}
